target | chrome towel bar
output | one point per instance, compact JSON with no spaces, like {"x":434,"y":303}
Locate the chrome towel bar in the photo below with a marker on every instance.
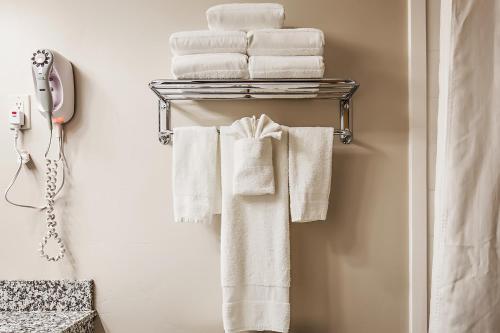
{"x":335,"y":89}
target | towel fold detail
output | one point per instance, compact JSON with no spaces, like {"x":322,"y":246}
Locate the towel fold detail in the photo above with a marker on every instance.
{"x":210,"y":66}
{"x":207,"y":41}
{"x":253,"y":157}
{"x":286,"y":42}
{"x":246,"y":16}
{"x":286,"y":67}
{"x":253,"y":167}
{"x":196,"y":177}
{"x":310,"y":172}
{"x":250,"y":127}
{"x":259,"y":308}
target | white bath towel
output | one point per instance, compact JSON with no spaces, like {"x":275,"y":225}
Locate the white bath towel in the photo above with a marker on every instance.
{"x":310,"y":172}
{"x":246,"y":16}
{"x":255,"y":258}
{"x":292,"y":67}
{"x":253,"y":172}
{"x":196,"y":175}
{"x":208,"y":41}
{"x":286,"y":42}
{"x":210,"y":66}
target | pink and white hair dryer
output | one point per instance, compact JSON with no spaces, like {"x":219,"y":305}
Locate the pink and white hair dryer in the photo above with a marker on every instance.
{"x":54,"y":86}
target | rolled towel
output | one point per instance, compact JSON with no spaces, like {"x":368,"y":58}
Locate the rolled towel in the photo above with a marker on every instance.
{"x":253,"y":172}
{"x":207,"y":41}
{"x":246,"y":16}
{"x":286,"y":67}
{"x":310,"y":152}
{"x":210,"y":66}
{"x":286,"y":42}
{"x":196,"y":177}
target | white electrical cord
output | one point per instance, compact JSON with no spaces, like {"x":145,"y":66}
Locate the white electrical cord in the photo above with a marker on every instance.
{"x":20,"y":166}
{"x":50,"y":193}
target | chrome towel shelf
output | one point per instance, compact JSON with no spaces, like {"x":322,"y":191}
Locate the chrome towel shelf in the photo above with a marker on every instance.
{"x":173,"y":90}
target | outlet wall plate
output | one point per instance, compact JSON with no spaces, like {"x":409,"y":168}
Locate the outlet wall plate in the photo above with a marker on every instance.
{"x":21,"y":103}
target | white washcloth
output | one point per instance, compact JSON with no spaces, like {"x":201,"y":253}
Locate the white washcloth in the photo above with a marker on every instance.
{"x":286,"y":42}
{"x":289,"y":67}
{"x":210,"y":66}
{"x":196,"y":175}
{"x":246,"y":16}
{"x":310,"y":172}
{"x":208,"y":41}
{"x":255,"y":254}
{"x":253,"y":172}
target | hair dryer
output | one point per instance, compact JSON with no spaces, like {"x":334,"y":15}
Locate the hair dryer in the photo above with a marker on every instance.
{"x":53,"y":80}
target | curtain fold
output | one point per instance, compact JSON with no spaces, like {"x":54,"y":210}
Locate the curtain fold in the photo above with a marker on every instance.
{"x":465,"y":292}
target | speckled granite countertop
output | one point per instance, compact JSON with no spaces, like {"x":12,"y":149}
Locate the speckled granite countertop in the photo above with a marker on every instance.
{"x":46,"y":306}
{"x":46,"y":321}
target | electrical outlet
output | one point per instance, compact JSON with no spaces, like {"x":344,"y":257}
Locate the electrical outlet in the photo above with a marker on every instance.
{"x":21,"y":103}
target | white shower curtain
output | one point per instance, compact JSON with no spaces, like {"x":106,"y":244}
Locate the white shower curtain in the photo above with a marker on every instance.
{"x":466,"y":267}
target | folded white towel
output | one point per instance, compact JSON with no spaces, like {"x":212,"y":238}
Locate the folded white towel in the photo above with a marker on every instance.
{"x":289,"y":67}
{"x":286,"y":42}
{"x":196,"y":175}
{"x":255,"y":257}
{"x":253,"y":172}
{"x":210,"y":66}
{"x":310,"y":172}
{"x":208,"y":41}
{"x":246,"y":16}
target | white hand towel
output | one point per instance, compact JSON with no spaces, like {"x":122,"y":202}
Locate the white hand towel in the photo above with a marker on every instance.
{"x":207,"y":41}
{"x":289,"y":67}
{"x":286,"y":42}
{"x":246,"y":16}
{"x":210,"y":66}
{"x":255,"y":255}
{"x":253,"y":172}
{"x":196,"y":176}
{"x":310,"y":172}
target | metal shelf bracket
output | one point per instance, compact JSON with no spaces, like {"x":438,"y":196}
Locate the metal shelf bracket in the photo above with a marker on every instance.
{"x":346,"y":120}
{"x":164,"y":122}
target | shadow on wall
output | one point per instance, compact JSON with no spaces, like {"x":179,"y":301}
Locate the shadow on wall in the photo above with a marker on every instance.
{"x":98,"y":325}
{"x":320,"y":249}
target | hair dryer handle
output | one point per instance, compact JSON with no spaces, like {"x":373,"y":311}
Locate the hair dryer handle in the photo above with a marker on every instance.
{"x":44,"y":97}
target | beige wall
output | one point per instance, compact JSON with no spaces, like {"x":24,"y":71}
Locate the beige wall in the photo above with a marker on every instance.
{"x":349,"y":274}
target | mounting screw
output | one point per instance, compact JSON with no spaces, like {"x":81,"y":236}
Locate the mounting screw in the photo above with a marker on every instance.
{"x":346,"y":138}
{"x":164,"y":138}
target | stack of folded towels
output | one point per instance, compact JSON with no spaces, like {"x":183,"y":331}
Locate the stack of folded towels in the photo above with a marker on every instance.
{"x":247,"y":41}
